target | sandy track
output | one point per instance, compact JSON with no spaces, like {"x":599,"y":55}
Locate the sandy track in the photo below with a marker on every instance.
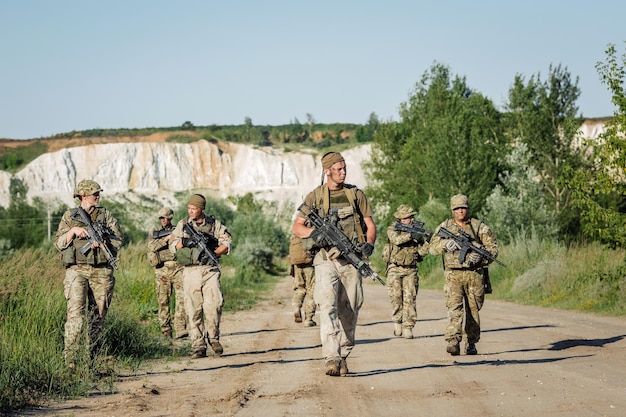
{"x":532,"y":362}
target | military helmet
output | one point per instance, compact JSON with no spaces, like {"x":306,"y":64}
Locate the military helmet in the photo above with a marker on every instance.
{"x":459,"y":201}
{"x":404,"y":211}
{"x":166,"y":212}
{"x":86,"y":187}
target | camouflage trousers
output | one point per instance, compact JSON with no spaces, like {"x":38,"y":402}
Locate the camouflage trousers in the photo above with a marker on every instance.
{"x":304,"y":287}
{"x":88,"y":291}
{"x":402,"y":287}
{"x":169,"y":278}
{"x":465,"y":293}
{"x":203,"y":303}
{"x":339,"y":295}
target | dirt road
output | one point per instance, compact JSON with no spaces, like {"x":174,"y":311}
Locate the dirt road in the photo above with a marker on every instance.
{"x":531,"y":362}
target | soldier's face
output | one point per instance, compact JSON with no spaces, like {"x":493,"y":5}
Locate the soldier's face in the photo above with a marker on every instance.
{"x":460,"y":213}
{"x":407,"y":220}
{"x":337,"y":173}
{"x":164,"y":221}
{"x":195,"y":213}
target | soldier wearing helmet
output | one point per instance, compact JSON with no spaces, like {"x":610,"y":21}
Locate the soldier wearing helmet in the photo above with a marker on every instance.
{"x":402,"y":253}
{"x":169,"y":276}
{"x":89,"y":279}
{"x":464,"y":278}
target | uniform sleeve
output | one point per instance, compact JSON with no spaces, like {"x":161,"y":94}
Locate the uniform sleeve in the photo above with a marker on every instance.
{"x":488,"y":239}
{"x":397,"y":237}
{"x":309,"y":200}
{"x":222,"y":235}
{"x":364,"y":205}
{"x":437,"y":244}
{"x":60,"y":238}
{"x":117,"y":240}
{"x":155,"y":245}
{"x":177,"y":235}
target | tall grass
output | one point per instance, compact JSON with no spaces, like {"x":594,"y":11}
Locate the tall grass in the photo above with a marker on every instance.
{"x":589,"y":278}
{"x":32,"y":317}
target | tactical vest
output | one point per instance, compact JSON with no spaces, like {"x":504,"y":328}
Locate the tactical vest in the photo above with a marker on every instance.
{"x":402,"y":255}
{"x":158,"y":257}
{"x":451,"y":259}
{"x":72,"y":255}
{"x":341,"y":208}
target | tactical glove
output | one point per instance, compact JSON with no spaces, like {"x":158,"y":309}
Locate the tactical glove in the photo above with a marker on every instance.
{"x":417,"y":237}
{"x":366,"y":249}
{"x":319,"y":239}
{"x":451,"y":245}
{"x":188,"y":243}
{"x":474,"y":258}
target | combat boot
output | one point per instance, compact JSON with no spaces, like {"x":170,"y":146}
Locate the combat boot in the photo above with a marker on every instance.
{"x":310,"y":323}
{"x":453,"y":349}
{"x":343,"y":367}
{"x":167,"y":333}
{"x":217,"y":347}
{"x":407,"y":333}
{"x":333,"y":367}
{"x":397,"y":329}
{"x":470,"y":349}
{"x":297,"y":316}
{"x":200,"y":353}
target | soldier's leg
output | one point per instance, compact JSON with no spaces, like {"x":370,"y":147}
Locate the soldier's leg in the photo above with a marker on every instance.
{"x":299,"y":288}
{"x":309,"y":304}
{"x":180,"y":314}
{"x":163,"y":294}
{"x":350,"y":300}
{"x":100,"y":293}
{"x":394,"y":290}
{"x":212,"y":306}
{"x":475,"y":291}
{"x":192,"y":285}
{"x":453,"y":291}
{"x":75,"y":290}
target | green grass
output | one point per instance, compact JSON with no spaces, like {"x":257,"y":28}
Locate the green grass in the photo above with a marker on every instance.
{"x":32,"y":317}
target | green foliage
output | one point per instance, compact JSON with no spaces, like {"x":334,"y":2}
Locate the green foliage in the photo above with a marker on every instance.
{"x":448,"y":141}
{"x":543,"y":115}
{"x":25,"y":225}
{"x":14,"y":158}
{"x":600,"y":192}
{"x":518,"y":207}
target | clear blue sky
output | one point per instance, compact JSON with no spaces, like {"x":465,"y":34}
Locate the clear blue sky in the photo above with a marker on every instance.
{"x":74,"y":65}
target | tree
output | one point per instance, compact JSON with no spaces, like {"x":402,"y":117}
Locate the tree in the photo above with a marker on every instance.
{"x":448,"y":141}
{"x":600,"y":192}
{"x":517,"y":208}
{"x":542,"y":114}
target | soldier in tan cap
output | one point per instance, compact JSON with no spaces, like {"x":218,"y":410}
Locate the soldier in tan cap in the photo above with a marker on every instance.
{"x":402,"y":254}
{"x":464,"y":281}
{"x":201,"y":280}
{"x":89,"y":280}
{"x":338,"y":284}
{"x":169,"y":276}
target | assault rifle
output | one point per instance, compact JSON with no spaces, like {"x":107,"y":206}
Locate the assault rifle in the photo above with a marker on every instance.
{"x":158,"y":234}
{"x":415,"y":227}
{"x":340,"y":241}
{"x":464,"y":240}
{"x":203,"y":242}
{"x":97,"y":233}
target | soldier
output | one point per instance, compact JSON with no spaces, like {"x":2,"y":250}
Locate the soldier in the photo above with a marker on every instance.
{"x":303,"y":275}
{"x":201,"y":280}
{"x":464,"y":286}
{"x":402,"y":254}
{"x":338,"y":284}
{"x":169,"y":276}
{"x":89,"y":280}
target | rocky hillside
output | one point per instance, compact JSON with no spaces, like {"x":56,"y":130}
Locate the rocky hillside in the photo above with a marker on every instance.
{"x":161,"y":169}
{"x":150,"y":166}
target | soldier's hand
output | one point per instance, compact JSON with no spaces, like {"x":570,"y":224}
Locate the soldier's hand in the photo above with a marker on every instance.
{"x":188,"y":243}
{"x":319,"y":239}
{"x":366,"y":249}
{"x":474,"y":258}
{"x":417,"y":237}
{"x":451,"y":245}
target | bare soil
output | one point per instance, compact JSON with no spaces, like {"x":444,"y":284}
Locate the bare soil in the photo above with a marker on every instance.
{"x":532,"y":362}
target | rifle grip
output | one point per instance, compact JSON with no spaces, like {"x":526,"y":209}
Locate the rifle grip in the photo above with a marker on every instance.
{"x":85,"y":249}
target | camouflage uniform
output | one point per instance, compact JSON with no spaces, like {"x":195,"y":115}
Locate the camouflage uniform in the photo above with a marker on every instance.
{"x":464,"y":286}
{"x":202,"y":287}
{"x":338,"y":284}
{"x":303,"y":275}
{"x":89,"y":280}
{"x":404,"y":252}
{"x":169,"y":276}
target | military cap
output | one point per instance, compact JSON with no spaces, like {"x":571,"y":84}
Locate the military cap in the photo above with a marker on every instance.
{"x":459,"y":201}
{"x":86,"y":187}
{"x":166,"y":212}
{"x":404,"y":211}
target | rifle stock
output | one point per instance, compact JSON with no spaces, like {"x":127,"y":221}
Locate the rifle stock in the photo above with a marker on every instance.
{"x":415,"y":227}
{"x":340,"y":241}
{"x":158,"y":234}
